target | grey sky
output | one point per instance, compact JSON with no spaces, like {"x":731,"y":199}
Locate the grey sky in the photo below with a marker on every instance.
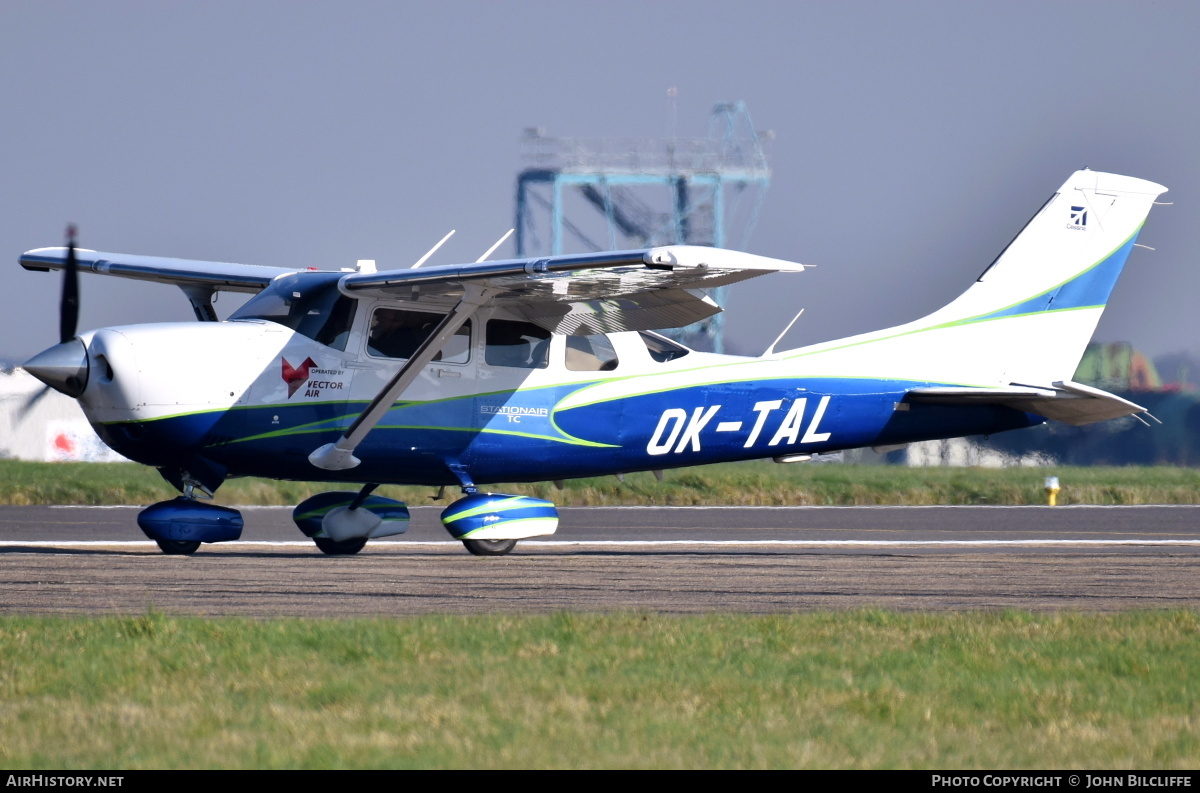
{"x":912,"y":139}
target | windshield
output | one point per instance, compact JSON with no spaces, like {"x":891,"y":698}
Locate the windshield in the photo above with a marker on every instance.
{"x":308,"y":303}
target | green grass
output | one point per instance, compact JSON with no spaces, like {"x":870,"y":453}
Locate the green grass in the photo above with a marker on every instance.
{"x":862,"y":690}
{"x":762,"y":483}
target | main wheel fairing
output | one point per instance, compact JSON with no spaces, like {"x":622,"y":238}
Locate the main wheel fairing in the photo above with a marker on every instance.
{"x":496,"y":516}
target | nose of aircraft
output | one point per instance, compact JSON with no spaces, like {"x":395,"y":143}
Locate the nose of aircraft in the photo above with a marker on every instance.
{"x":63,"y":367}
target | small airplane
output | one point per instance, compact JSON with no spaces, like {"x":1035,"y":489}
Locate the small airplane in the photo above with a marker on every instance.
{"x":549,"y":368}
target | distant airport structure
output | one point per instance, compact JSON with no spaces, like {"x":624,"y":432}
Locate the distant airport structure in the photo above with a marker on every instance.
{"x":600,"y":194}
{"x":44,"y":425}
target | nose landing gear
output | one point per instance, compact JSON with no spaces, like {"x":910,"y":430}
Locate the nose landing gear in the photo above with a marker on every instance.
{"x":178,"y":547}
{"x":180,"y":525}
{"x":489,"y":524}
{"x":340,"y":523}
{"x":343,"y":548}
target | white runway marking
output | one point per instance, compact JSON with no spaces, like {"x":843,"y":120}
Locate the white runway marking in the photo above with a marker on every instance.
{"x":630,"y":543}
{"x":658,"y":507}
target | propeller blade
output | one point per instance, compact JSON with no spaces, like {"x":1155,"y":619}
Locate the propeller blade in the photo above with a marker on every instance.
{"x":32,"y":402}
{"x":68,"y":310}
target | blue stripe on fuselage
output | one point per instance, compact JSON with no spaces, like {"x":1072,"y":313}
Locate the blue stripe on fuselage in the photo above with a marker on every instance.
{"x":519,"y":436}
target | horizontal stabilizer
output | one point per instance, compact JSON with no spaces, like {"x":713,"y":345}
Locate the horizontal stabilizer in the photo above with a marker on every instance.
{"x":1068,"y":402}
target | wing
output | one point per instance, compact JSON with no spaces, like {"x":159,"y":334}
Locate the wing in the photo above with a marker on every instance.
{"x":579,"y":294}
{"x":572,"y":294}
{"x":221,"y":276}
{"x":1068,"y":402}
{"x":575,"y":294}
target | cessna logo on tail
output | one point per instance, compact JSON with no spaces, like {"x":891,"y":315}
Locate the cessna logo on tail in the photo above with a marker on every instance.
{"x":1078,"y":219}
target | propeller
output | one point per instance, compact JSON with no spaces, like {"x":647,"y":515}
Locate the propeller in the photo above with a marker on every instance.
{"x":32,"y":401}
{"x":68,"y":308}
{"x":63,"y":367}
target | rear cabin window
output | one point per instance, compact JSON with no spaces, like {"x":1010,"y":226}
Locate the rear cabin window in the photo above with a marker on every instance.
{"x":590,"y":354}
{"x":398,"y":332}
{"x":661,"y":348}
{"x":518,"y":344}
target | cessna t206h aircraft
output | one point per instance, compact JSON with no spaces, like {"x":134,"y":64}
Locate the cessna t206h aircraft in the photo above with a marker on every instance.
{"x":548,"y":369}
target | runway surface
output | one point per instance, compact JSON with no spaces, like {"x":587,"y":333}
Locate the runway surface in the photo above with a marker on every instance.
{"x":71,"y":560}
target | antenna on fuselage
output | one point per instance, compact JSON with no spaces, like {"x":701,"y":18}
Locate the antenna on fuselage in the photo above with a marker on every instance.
{"x":492,"y":249}
{"x":779,"y":338}
{"x":433,"y":250}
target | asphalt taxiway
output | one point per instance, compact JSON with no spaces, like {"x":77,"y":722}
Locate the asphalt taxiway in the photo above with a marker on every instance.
{"x":78,"y":560}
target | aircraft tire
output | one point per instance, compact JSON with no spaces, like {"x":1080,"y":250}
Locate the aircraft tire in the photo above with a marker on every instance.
{"x":340,"y":548}
{"x":178,"y":547}
{"x":489,"y":547}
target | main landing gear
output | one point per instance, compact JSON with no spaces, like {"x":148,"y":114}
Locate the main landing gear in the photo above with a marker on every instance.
{"x":340,"y":523}
{"x":340,"y":548}
{"x":489,"y":547}
{"x":487,"y":524}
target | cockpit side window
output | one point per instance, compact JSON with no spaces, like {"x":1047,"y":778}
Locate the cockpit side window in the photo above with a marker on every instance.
{"x":590,"y":354}
{"x":518,"y":344}
{"x":398,"y":332}
{"x":661,"y":348}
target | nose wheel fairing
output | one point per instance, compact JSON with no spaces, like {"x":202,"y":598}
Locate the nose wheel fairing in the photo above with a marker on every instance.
{"x":184,"y":520}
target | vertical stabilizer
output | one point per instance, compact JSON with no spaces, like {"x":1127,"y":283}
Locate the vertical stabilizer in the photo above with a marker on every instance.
{"x":1029,"y":316}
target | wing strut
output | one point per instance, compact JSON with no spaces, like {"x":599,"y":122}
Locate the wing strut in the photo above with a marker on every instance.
{"x":339,"y":456}
{"x":201,"y":299}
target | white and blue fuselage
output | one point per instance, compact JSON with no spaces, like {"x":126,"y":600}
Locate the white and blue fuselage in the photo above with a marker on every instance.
{"x":534,"y":370}
{"x":497,"y":424}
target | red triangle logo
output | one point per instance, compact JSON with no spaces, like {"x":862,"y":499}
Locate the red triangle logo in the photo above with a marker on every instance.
{"x":296,"y":377}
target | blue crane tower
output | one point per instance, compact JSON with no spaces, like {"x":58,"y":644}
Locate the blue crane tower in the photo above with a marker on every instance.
{"x":600,"y":194}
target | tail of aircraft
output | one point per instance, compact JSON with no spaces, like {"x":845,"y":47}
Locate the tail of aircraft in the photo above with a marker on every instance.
{"x":1029,"y":316}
